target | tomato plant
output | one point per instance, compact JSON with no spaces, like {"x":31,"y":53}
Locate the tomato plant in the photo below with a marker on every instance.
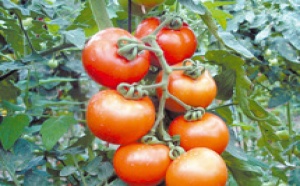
{"x":141,"y":164}
{"x":135,"y":8}
{"x":117,"y":120}
{"x":148,"y":3}
{"x":198,"y":92}
{"x":103,"y":64}
{"x":199,"y":166}
{"x":210,"y":131}
{"x":177,"y":44}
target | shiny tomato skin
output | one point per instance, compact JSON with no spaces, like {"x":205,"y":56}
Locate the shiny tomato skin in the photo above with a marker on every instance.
{"x":197,"y":167}
{"x":210,"y":132}
{"x":197,"y":93}
{"x":140,"y":164}
{"x":177,"y":45}
{"x":117,"y":120}
{"x":105,"y":66}
{"x":148,"y":3}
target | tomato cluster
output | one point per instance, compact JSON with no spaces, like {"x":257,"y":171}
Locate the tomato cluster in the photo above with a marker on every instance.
{"x":123,"y":113}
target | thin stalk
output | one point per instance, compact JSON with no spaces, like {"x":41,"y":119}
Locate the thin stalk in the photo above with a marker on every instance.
{"x":221,"y":106}
{"x":129,"y":16}
{"x":290,"y":126}
{"x":185,"y":106}
{"x":25,"y":33}
{"x":100,"y":14}
{"x":153,"y":86}
{"x":55,"y":49}
{"x":79,"y":169}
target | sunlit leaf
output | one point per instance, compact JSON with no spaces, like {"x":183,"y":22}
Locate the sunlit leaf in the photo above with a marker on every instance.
{"x":11,"y":129}
{"x":54,"y":128}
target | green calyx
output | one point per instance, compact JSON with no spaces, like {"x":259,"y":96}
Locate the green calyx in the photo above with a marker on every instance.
{"x":128,"y":48}
{"x":175,"y":23}
{"x":194,"y":114}
{"x":196,"y":68}
{"x":132,"y":91}
{"x":175,"y":152}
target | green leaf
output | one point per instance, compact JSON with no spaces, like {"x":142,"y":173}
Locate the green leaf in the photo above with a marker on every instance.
{"x":67,"y":170}
{"x":93,"y":166}
{"x":12,"y":107}
{"x":86,"y":21}
{"x":225,"y":82}
{"x":54,"y":128}
{"x":286,"y":50}
{"x":292,"y":35}
{"x":226,"y":114}
{"x":85,"y":140}
{"x":225,"y":58}
{"x":245,"y":171}
{"x":265,"y":33}
{"x":117,"y":182}
{"x":279,"y":96}
{"x":11,"y":129}
{"x":8,"y":5}
{"x":219,"y":15}
{"x":8,"y":91}
{"x":105,"y":171}
{"x":76,"y":37}
{"x":231,"y":42}
{"x":36,"y":178}
{"x":195,"y":6}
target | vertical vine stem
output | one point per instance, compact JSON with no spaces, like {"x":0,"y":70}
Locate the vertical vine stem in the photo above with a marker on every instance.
{"x":80,"y":171}
{"x":129,"y":16}
{"x":290,"y":126}
{"x":100,"y":14}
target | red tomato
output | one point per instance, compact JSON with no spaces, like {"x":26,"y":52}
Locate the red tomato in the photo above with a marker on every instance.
{"x":117,"y":120}
{"x":141,"y":164}
{"x":177,"y":45}
{"x":210,"y":132}
{"x":105,"y":66}
{"x":198,"y":92}
{"x":197,"y":167}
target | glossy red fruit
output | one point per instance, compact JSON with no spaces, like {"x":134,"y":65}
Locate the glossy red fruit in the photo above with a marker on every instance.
{"x":210,"y":132}
{"x":198,"y":92}
{"x":141,"y":164}
{"x":117,"y":120}
{"x":177,"y":45}
{"x":105,"y":66}
{"x":197,"y":167}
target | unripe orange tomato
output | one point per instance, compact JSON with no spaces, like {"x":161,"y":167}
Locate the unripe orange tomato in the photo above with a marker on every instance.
{"x":141,"y":164}
{"x":117,"y":120}
{"x":210,"y":132}
{"x":197,"y":167}
{"x":198,"y":92}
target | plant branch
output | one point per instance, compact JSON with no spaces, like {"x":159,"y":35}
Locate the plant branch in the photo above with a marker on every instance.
{"x":55,"y":49}
{"x":25,"y":33}
{"x":80,"y":171}
{"x":290,"y":126}
{"x":100,"y":14}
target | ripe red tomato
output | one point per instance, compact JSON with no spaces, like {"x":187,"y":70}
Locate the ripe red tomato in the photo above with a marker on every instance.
{"x":198,"y":92}
{"x":197,"y":167}
{"x":210,"y":132}
{"x":105,"y":66}
{"x":117,"y":120}
{"x":148,"y":3}
{"x":141,"y":164}
{"x":177,"y":45}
